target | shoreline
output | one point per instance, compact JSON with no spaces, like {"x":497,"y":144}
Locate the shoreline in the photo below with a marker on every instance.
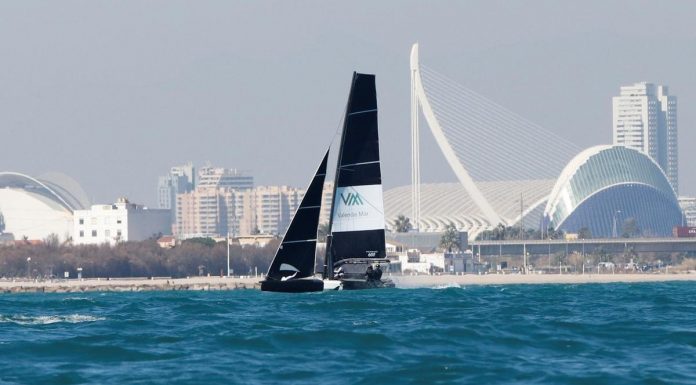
{"x":130,"y":284}
{"x":252,"y":283}
{"x":410,"y":282}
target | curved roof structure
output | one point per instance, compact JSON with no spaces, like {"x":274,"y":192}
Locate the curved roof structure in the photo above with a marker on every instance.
{"x":57,"y":187}
{"x":604,"y":186}
{"x":37,"y":207}
{"x":444,"y":203}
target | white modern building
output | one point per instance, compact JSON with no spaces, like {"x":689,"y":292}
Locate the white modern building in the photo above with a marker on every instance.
{"x":119,"y":222}
{"x":645,"y":119}
{"x":36,"y":207}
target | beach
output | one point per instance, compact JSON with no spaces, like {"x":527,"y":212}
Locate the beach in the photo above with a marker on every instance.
{"x":246,"y":282}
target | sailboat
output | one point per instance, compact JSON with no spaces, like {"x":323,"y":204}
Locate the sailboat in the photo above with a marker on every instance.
{"x":355,"y":250}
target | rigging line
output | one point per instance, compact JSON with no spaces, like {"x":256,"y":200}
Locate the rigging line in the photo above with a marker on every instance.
{"x":444,"y":105}
{"x":368,"y":202}
{"x":452,"y":85}
{"x":484,"y":133}
{"x":505,"y":145}
{"x":486,"y":145}
{"x":479,"y":128}
{"x":507,"y":118}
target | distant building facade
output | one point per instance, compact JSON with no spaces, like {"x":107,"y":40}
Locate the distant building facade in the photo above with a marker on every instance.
{"x":180,"y":180}
{"x":213,"y":212}
{"x":274,"y":207}
{"x":326,"y":200}
{"x":688,"y":205}
{"x":119,"y":222}
{"x":217,"y":177}
{"x":218,"y":211}
{"x":645,"y":119}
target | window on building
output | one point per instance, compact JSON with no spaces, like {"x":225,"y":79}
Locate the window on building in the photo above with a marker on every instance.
{"x":93,"y":220}
{"x":107,"y":233}
{"x":82,"y":221}
{"x":82,"y":233}
{"x":118,"y":233}
{"x":118,"y":221}
{"x":94,"y":233}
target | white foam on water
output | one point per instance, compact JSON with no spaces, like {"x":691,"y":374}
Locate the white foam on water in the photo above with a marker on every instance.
{"x":48,"y":319}
{"x":450,"y":285}
{"x":77,"y":299}
{"x":365,"y":323}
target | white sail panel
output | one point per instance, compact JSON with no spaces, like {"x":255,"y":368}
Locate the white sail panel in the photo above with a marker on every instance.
{"x":358,"y":208}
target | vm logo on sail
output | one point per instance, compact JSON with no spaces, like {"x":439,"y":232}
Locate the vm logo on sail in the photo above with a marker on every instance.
{"x":352,"y":199}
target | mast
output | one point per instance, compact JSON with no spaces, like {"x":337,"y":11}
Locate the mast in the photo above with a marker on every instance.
{"x":328,"y":258}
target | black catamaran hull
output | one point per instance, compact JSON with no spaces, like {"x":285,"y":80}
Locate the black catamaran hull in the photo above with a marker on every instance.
{"x":358,"y":284}
{"x":293,"y":285}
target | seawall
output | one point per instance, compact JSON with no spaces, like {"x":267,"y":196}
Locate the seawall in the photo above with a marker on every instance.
{"x":129,"y":284}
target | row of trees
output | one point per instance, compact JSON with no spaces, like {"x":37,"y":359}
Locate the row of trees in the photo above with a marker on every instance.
{"x":133,"y":259}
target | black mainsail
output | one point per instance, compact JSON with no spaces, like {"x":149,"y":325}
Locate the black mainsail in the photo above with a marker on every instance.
{"x":357,"y":212}
{"x":295,"y":256}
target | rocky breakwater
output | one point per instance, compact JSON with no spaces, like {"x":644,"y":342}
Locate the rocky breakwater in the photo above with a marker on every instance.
{"x":129,"y":284}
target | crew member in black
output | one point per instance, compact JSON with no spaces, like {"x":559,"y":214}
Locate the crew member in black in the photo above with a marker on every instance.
{"x":370,"y":273}
{"x":378,"y":273}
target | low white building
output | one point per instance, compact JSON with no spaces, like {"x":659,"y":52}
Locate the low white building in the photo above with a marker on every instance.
{"x":119,"y":222}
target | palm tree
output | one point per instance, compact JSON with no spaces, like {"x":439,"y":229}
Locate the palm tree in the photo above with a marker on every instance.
{"x":402,"y":224}
{"x":450,"y":238}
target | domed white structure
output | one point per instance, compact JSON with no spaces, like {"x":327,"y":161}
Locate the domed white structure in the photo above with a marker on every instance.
{"x":37,"y":207}
{"x":604,"y":186}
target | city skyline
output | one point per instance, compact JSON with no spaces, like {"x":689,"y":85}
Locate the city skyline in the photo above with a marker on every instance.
{"x":116,"y":107}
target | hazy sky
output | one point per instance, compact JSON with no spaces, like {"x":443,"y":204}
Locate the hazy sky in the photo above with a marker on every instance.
{"x":114,"y":93}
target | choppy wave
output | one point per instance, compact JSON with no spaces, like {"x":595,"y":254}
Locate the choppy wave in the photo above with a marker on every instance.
{"x":450,"y":285}
{"x":48,"y":319}
{"x":513,"y":334}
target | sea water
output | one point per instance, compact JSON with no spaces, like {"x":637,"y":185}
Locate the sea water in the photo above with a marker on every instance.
{"x":512,"y":334}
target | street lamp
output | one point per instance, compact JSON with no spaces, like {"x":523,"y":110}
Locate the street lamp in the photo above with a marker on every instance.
{"x":29,"y":267}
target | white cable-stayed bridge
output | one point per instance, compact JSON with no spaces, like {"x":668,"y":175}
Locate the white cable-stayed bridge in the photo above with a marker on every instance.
{"x":505,"y":164}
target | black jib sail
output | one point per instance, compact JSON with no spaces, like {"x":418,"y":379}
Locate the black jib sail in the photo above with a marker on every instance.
{"x":357,"y":212}
{"x":296,"y":254}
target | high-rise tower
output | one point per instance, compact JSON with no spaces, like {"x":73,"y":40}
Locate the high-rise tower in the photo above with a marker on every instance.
{"x":645,"y":118}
